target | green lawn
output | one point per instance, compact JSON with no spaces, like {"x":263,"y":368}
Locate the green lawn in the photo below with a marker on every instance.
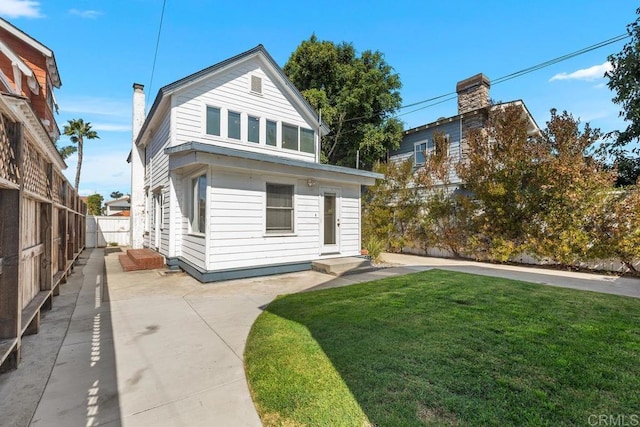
{"x":445,"y":348}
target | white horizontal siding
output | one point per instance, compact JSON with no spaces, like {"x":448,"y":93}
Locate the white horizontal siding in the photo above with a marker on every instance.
{"x":230,"y":92}
{"x":350,"y":221}
{"x":237,"y":223}
{"x":158,"y":177}
{"x":193,"y":250}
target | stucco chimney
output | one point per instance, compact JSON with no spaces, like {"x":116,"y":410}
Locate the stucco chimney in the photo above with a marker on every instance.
{"x":138,"y":109}
{"x":137,"y":170}
{"x":473,"y":93}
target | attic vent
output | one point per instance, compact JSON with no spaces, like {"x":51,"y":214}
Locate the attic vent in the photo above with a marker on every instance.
{"x":256,"y":84}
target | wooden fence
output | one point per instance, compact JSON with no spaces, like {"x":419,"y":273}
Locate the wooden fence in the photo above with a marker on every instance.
{"x":42,"y":232}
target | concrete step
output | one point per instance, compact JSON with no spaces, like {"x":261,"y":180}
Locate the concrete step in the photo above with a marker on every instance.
{"x":344,"y":265}
{"x":146,"y":259}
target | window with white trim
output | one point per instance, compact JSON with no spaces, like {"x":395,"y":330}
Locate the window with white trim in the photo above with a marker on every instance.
{"x":253,"y":129}
{"x":279,"y":209}
{"x":298,"y":138}
{"x":213,"y":121}
{"x":272,"y":133}
{"x":427,"y":147}
{"x":198,"y":205}
{"x":233,"y":129}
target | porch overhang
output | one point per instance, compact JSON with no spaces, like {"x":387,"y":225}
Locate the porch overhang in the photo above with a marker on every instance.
{"x":194,"y":153}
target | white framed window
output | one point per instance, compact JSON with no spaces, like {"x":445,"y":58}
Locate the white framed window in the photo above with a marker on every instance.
{"x":279,"y":208}
{"x":289,"y":137}
{"x":426,"y":147}
{"x":253,"y":129}
{"x":272,"y":133}
{"x":298,"y":138}
{"x":233,"y":125}
{"x":198,"y":205}
{"x":213,"y":121}
{"x":419,"y":149}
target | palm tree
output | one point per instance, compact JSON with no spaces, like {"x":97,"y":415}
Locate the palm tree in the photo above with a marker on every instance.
{"x":77,"y":130}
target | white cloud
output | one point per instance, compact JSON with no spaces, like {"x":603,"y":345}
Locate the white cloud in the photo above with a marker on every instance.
{"x":88,"y":14}
{"x":586,"y":74}
{"x":101,"y":173}
{"x":97,"y":106}
{"x":111,"y":127}
{"x":20,"y":8}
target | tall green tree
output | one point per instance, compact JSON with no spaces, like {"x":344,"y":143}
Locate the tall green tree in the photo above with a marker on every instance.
{"x":94,"y":204}
{"x":357,"y":95}
{"x":77,"y":131}
{"x":624,"y":80}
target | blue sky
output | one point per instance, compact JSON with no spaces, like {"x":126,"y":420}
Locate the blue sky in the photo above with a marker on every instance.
{"x":103,"y":47}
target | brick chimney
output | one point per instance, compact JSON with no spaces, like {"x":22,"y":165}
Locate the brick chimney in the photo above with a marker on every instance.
{"x":138,"y":213}
{"x":473,"y":93}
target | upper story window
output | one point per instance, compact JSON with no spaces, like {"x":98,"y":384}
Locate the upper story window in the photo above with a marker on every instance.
{"x":427,"y":147}
{"x":246,"y":128}
{"x":296,"y":138}
{"x":272,"y":133}
{"x":213,"y":121}
{"x":253,"y":129}
{"x":233,"y":125}
{"x":306,"y":140}
{"x":289,"y":137}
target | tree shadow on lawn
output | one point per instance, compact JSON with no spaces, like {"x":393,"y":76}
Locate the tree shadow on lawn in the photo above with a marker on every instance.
{"x":447,"y":348}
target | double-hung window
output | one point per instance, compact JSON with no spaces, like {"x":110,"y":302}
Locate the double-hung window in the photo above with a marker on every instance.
{"x":198,"y":207}
{"x":279,"y":208}
{"x":213,"y":121}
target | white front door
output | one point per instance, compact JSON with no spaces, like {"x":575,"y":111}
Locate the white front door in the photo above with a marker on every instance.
{"x":330,"y":220}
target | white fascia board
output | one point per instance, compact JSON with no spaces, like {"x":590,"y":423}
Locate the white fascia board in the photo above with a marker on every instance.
{"x":36,"y":131}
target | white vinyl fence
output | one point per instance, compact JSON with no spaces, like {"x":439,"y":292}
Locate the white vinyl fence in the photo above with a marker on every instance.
{"x":602,"y":265}
{"x":105,"y":230}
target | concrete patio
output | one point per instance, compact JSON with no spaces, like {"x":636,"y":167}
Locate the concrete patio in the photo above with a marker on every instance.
{"x":154,"y":348}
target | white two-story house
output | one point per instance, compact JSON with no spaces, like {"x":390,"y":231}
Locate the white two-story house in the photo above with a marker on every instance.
{"x":226,"y":177}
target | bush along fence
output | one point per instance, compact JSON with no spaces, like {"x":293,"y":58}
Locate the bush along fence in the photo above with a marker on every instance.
{"x":42,"y":226}
{"x":540,"y":199}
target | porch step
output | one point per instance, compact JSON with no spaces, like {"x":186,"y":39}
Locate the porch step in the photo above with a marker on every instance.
{"x":141,"y":259}
{"x":341,"y":266}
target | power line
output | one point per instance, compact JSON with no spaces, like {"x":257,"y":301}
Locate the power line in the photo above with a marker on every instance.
{"x":520,"y":72}
{"x":155,"y":55}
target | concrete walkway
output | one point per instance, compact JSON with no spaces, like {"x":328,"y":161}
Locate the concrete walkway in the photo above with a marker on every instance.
{"x":147,"y":348}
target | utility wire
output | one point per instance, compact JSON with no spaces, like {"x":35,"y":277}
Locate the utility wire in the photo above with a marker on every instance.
{"x":155,"y":55}
{"x":516,"y":74}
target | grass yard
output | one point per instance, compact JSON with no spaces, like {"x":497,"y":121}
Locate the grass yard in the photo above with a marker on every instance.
{"x":445,"y":348}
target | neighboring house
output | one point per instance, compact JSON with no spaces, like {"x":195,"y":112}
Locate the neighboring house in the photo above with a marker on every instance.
{"x":226,"y":176}
{"x":41,"y":217}
{"x":474,"y":106}
{"x":119,"y":207}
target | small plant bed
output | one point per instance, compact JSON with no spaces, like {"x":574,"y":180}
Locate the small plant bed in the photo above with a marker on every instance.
{"x":445,"y":348}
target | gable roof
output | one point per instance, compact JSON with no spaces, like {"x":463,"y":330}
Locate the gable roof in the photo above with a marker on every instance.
{"x":258,"y":51}
{"x":52,"y":67}
{"x":532,"y":123}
